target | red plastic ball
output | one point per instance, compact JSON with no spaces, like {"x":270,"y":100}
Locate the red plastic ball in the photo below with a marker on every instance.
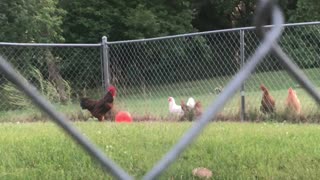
{"x":123,"y":117}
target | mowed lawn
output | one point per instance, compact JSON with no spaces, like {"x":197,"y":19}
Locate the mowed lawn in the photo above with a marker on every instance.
{"x":230,"y":150}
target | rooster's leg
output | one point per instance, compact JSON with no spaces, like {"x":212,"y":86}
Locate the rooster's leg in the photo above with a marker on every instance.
{"x":101,"y":119}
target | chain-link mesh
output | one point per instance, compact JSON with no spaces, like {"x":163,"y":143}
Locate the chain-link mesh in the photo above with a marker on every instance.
{"x":147,"y":72}
{"x":301,"y":44}
{"x":60,"y":73}
{"x":197,"y":65}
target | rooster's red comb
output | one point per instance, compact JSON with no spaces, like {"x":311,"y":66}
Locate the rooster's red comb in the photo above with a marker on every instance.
{"x":112,"y":89}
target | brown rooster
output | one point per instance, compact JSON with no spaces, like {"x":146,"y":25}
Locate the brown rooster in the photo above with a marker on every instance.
{"x":267,"y":102}
{"x":99,"y":108}
{"x":292,"y":101}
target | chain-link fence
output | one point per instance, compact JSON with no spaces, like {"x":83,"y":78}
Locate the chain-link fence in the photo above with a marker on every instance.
{"x":61,"y":72}
{"x":301,"y":43}
{"x":147,"y":72}
{"x":199,"y":65}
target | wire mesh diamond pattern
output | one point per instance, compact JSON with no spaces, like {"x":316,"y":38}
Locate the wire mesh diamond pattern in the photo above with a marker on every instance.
{"x":199,"y":65}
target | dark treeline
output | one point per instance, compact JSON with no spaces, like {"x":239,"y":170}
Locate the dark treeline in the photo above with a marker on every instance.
{"x":86,"y":21}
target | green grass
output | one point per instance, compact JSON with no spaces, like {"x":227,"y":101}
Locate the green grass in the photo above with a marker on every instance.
{"x":153,"y":100}
{"x":230,"y":150}
{"x":72,"y":111}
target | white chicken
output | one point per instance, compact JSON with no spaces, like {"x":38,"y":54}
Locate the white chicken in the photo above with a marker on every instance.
{"x":174,"y":108}
{"x":191,"y":103}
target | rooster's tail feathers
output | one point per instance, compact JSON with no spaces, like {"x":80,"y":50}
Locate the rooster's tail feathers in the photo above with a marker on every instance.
{"x":85,"y":103}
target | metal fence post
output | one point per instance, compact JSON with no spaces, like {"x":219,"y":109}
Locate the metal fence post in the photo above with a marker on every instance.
{"x":105,"y":62}
{"x":242,"y":92}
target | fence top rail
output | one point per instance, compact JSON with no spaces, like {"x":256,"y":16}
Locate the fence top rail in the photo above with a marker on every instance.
{"x":49,"y":44}
{"x":207,"y":32}
{"x":147,"y":39}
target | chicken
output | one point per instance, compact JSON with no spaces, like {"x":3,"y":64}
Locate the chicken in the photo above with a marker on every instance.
{"x":267,"y":102}
{"x":188,"y":112}
{"x":191,"y":113}
{"x":191,"y":102}
{"x":174,"y":108}
{"x":198,"y":109}
{"x":99,"y":108}
{"x":292,"y":101}
{"x":218,"y":89}
{"x":184,"y":107}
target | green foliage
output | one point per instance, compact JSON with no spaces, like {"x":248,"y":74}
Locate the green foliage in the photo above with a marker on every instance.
{"x":142,"y":23}
{"x":89,"y":20}
{"x":302,"y":45}
{"x":30,"y":21}
{"x":221,"y":14}
{"x":17,"y":98}
{"x":306,"y":57}
{"x":173,"y":60}
{"x":306,"y":10}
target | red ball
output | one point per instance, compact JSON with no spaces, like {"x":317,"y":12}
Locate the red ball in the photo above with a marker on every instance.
{"x":123,"y":116}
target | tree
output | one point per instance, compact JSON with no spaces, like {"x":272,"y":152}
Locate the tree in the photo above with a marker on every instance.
{"x":35,"y":21}
{"x":304,"y":37}
{"x":159,"y":18}
{"x":89,"y":20}
{"x":31,"y":21}
{"x":223,"y":14}
{"x":306,"y":10}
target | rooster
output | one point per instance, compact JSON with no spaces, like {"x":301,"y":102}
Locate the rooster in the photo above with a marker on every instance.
{"x":98,"y":108}
{"x":292,"y":101}
{"x":267,"y":102}
{"x":174,"y":108}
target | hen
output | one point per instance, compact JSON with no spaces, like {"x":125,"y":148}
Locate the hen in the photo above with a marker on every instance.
{"x":267,"y":102}
{"x":191,"y":112}
{"x":191,"y":102}
{"x":292,"y":101}
{"x":198,"y":109}
{"x":98,"y":108}
{"x":174,"y":108}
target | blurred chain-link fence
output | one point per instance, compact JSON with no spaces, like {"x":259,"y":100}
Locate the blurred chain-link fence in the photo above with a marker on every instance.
{"x":146,"y":72}
{"x":199,"y":65}
{"x":61,"y":72}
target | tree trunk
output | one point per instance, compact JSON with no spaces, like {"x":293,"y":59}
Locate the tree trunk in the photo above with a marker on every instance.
{"x":55,"y":76}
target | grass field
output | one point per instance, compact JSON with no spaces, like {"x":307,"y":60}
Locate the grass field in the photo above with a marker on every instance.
{"x":230,"y":150}
{"x":153,"y":100}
